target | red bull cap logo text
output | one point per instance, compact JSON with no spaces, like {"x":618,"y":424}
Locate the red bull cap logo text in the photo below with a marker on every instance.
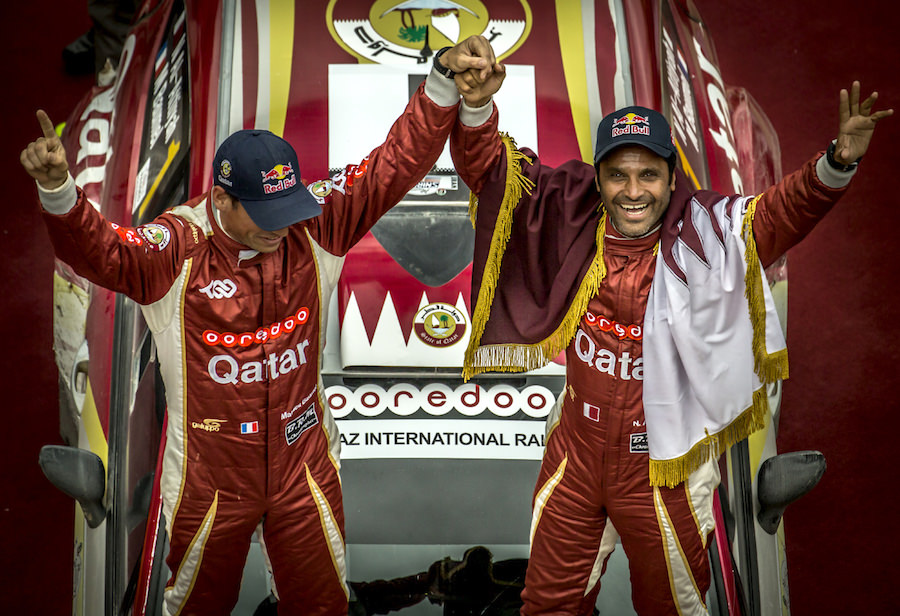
{"x":631,"y":124}
{"x":282,"y":175}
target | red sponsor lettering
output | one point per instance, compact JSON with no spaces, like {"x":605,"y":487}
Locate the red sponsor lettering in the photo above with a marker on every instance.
{"x":633,"y":331}
{"x":128,"y":234}
{"x":261,"y":335}
{"x":356,"y":171}
{"x":504,"y":400}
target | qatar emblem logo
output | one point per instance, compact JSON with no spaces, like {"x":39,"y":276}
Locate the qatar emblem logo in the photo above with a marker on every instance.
{"x":320,"y":190}
{"x":156,"y":236}
{"x":403,"y":32}
{"x":440,"y":325}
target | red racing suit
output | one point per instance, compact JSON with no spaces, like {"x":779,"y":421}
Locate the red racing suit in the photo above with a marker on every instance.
{"x":595,"y":468}
{"x":239,"y":334}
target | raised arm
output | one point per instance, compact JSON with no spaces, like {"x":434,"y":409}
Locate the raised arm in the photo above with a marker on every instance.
{"x":788,"y":211}
{"x":139,"y":262}
{"x":360,"y":194}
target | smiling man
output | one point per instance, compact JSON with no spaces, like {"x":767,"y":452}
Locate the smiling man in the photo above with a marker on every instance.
{"x":657,"y":296}
{"x":635,"y":168}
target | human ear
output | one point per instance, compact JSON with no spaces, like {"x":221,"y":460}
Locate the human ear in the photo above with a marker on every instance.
{"x":221,"y":199}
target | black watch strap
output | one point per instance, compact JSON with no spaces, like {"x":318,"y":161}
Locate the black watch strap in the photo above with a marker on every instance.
{"x":829,"y":158}
{"x":443,"y":70}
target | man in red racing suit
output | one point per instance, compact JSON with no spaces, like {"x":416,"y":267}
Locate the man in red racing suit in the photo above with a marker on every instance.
{"x":596,"y":472}
{"x":237,"y":308}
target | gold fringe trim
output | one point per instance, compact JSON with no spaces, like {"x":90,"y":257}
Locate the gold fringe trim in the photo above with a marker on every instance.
{"x":522,"y":357}
{"x":516,"y":184}
{"x":770,"y":367}
{"x":670,"y":473}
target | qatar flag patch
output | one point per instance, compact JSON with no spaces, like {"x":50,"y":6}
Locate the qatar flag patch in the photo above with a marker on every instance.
{"x":250,"y":427}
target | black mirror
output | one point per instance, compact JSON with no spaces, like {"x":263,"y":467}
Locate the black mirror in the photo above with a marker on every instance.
{"x":782,"y":479}
{"x":79,"y":474}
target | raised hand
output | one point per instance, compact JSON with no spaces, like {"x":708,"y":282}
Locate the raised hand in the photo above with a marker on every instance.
{"x":857,"y":124}
{"x":478,"y":74}
{"x":45,"y":158}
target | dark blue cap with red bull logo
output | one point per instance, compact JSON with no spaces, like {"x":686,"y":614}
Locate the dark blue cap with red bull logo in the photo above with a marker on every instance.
{"x":260,"y":169}
{"x":635,"y":126}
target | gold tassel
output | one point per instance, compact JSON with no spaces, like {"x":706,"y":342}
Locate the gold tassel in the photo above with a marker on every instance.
{"x":770,"y":367}
{"x":516,"y":182}
{"x":672,"y":472}
{"x":473,"y":207}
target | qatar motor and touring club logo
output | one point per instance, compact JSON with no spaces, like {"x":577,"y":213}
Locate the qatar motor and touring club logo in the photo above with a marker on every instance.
{"x":410,"y":31}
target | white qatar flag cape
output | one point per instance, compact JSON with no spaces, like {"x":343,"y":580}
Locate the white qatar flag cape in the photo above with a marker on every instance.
{"x":712,"y":339}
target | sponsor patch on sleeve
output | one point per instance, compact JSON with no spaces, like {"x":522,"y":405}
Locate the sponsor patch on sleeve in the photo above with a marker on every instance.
{"x":156,"y":236}
{"x":320,"y":190}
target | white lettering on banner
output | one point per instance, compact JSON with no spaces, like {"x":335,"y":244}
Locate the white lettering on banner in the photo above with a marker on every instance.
{"x":224,"y":369}
{"x":438,"y":399}
{"x":469,"y":439}
{"x":678,"y":78}
{"x":724,"y":136}
{"x":93,"y":138}
{"x":605,"y":360}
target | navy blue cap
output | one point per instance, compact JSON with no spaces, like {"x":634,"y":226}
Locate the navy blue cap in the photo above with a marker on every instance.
{"x":635,"y":126}
{"x":261,"y":170}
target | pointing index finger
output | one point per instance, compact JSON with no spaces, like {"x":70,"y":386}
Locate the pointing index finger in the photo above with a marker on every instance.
{"x":46,"y":124}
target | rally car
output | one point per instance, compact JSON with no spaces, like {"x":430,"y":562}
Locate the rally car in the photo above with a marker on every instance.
{"x":437,"y":472}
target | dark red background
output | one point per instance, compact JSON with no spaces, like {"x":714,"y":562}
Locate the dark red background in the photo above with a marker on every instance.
{"x":843,"y":330}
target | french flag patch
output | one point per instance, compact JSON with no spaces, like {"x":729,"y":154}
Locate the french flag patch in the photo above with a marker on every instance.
{"x":250,"y":427}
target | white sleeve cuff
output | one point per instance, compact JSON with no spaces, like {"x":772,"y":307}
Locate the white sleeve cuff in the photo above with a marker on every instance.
{"x":831,"y":177}
{"x":475,"y":116}
{"x":441,"y":90}
{"x":59,"y":200}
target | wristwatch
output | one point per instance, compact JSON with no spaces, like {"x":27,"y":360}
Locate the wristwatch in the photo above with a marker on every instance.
{"x":443,"y":70}
{"x":829,"y":158}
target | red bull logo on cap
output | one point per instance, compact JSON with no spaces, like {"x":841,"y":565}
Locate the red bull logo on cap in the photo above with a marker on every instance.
{"x":631,"y":124}
{"x":282,"y":175}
